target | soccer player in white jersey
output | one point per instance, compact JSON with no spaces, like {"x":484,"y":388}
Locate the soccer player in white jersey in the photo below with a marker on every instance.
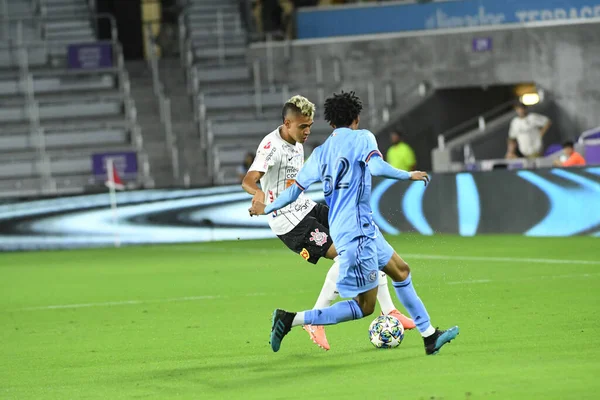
{"x":302,"y":226}
{"x":345,"y":164}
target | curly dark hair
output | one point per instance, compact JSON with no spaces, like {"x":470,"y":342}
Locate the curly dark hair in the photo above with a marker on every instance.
{"x":342,"y":109}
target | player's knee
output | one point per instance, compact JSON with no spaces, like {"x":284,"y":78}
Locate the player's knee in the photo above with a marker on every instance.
{"x":399,"y":269}
{"x":404,"y":269}
{"x":366,"y":306}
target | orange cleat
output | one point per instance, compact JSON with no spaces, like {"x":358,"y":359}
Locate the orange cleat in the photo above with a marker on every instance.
{"x":406,"y":322}
{"x":317,"y":335}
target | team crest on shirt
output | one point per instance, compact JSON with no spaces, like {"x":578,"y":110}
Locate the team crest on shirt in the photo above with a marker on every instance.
{"x":320,"y":238}
{"x":305,"y":254}
{"x":372,"y":276}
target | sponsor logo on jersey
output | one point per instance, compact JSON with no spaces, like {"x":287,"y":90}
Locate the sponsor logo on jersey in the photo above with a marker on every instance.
{"x":267,"y":146}
{"x":305,"y":254}
{"x":270,"y":155}
{"x":320,"y":238}
{"x":301,"y":206}
{"x":289,"y":183}
{"x":291,"y":172}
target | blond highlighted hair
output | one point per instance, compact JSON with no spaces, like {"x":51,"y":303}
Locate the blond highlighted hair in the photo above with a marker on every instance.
{"x":305,"y":107}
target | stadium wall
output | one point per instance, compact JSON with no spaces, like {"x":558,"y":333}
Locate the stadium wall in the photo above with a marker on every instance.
{"x":561,"y":57}
{"x":556,"y":202}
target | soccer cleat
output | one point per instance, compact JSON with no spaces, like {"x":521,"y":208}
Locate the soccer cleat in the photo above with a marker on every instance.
{"x":406,"y":322}
{"x":434,"y":343}
{"x":317,"y":334}
{"x":281,"y":325}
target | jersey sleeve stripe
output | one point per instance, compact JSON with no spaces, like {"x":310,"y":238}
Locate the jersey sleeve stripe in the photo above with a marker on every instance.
{"x":299,"y":185}
{"x":373,"y":153}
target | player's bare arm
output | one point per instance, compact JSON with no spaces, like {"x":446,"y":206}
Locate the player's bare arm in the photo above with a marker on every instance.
{"x":286,"y":198}
{"x":250,"y":185}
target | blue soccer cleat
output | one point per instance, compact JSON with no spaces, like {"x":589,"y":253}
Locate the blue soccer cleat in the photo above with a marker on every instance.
{"x":434,"y":343}
{"x":281,"y":325}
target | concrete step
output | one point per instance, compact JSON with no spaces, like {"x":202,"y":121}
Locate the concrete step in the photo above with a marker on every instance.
{"x":199,"y":18}
{"x":233,"y":40}
{"x":67,"y":9}
{"x":75,"y":23}
{"x":213,"y":53}
{"x":212,"y":2}
{"x":213,"y":28}
{"x":207,"y":8}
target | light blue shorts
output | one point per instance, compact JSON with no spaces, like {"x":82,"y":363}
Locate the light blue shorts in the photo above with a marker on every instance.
{"x":360,"y":263}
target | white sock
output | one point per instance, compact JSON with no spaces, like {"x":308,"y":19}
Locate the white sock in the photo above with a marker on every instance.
{"x":298,"y":319}
{"x":329,"y":291}
{"x":428,"y":332}
{"x":383,"y":295}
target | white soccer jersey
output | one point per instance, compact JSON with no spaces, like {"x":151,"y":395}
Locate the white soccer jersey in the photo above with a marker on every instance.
{"x":281,"y":161}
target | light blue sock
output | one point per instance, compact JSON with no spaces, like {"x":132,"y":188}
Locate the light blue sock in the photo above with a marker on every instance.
{"x":411,"y":301}
{"x":339,"y":312}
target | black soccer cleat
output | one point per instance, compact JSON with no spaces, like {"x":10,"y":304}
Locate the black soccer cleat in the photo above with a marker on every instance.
{"x":434,"y":343}
{"x":281,"y":325}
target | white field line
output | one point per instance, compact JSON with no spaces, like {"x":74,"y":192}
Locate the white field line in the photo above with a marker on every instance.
{"x":218,"y":297}
{"x":524,"y":279}
{"x":208,"y":249}
{"x":130,"y":302}
{"x":502,"y":259}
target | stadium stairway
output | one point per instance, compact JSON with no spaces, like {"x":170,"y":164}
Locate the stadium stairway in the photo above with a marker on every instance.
{"x":72,"y":22}
{"x":219,"y":60}
{"x":148,"y":117}
{"x":191,"y":157}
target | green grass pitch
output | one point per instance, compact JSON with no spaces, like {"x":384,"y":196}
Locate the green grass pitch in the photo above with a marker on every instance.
{"x":192,"y":322}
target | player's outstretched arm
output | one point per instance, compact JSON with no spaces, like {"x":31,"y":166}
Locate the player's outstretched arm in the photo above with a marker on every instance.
{"x":379,"y":167}
{"x":287,"y":197}
{"x":250,"y":185}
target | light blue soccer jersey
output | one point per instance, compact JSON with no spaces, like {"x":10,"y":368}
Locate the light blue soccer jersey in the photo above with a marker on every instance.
{"x":341,"y":164}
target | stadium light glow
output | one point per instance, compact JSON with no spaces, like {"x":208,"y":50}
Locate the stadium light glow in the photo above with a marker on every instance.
{"x":530,"y":99}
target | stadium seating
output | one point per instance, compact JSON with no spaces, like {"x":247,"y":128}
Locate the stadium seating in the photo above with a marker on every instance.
{"x":54,"y":118}
{"x":236,"y":101}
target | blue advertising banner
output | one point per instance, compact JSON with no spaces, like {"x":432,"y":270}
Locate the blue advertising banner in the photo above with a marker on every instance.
{"x":90,"y":55}
{"x":547,"y":202}
{"x":125,"y":163}
{"x":385,"y":17}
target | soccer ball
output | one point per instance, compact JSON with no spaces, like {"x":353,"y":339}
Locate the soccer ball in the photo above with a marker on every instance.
{"x":386,"y":332}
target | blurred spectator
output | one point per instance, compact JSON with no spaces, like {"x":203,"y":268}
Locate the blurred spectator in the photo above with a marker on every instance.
{"x":528,"y":129}
{"x":271,"y":16}
{"x":513,"y":150}
{"x":246,"y":164}
{"x":570,"y":157}
{"x":400,"y":155}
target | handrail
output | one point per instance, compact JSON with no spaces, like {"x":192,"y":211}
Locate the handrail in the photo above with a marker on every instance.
{"x":34,"y":120}
{"x":589,"y":132}
{"x":476,"y":121}
{"x":220,"y":38}
{"x":164,"y":103}
{"x":257,"y":86}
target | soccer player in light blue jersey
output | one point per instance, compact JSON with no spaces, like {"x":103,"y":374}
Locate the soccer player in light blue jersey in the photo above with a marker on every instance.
{"x":345,"y":163}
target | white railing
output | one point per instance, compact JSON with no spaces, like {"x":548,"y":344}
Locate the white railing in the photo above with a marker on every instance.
{"x":43,"y":165}
{"x":588,"y":133}
{"x":164,"y":103}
